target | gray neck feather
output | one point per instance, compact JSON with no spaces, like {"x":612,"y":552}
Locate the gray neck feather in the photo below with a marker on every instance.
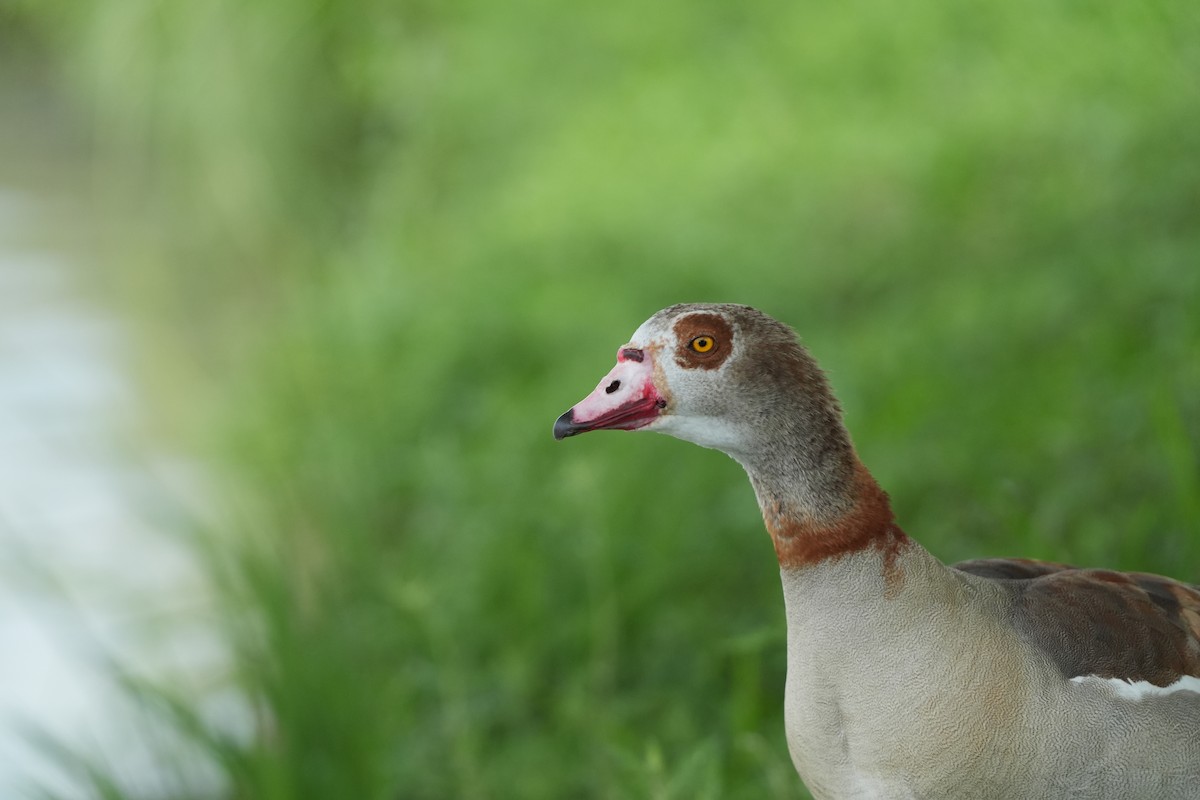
{"x":801,"y":462}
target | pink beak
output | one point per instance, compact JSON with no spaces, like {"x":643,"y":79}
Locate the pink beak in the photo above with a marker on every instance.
{"x":625,"y":400}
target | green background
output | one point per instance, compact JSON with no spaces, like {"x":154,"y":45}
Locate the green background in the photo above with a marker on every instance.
{"x":374,"y":249}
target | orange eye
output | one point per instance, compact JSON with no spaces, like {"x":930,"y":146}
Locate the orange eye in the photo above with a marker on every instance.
{"x":702,"y":344}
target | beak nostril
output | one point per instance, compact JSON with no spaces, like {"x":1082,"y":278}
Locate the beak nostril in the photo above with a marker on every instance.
{"x":612,"y":387}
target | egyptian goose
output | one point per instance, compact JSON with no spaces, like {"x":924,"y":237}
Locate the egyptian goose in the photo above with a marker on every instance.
{"x":906,"y":678}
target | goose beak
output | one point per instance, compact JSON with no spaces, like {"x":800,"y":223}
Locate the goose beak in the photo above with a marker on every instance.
{"x":626,"y":399}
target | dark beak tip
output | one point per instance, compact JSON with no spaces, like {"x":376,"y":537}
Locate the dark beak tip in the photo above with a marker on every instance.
{"x":565,"y":426}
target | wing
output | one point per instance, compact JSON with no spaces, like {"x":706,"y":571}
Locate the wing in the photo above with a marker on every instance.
{"x":1011,"y":568}
{"x":1128,"y":625}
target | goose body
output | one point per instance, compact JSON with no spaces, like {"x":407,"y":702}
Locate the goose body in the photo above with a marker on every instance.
{"x":907,"y":678}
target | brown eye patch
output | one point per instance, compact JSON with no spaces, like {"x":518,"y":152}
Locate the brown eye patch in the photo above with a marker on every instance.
{"x":704,"y":341}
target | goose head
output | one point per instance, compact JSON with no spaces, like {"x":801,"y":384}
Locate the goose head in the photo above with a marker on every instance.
{"x":731,"y":378}
{"x":722,"y":376}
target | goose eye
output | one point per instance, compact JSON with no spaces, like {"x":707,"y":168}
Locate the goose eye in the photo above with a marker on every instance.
{"x":702,"y":344}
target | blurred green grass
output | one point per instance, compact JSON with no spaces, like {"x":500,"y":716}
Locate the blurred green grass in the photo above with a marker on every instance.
{"x":377,"y":248}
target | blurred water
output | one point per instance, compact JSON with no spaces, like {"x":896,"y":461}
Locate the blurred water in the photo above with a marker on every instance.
{"x":83,"y":573}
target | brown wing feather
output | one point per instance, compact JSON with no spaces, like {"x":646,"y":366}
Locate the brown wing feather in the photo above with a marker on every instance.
{"x":1128,"y":625}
